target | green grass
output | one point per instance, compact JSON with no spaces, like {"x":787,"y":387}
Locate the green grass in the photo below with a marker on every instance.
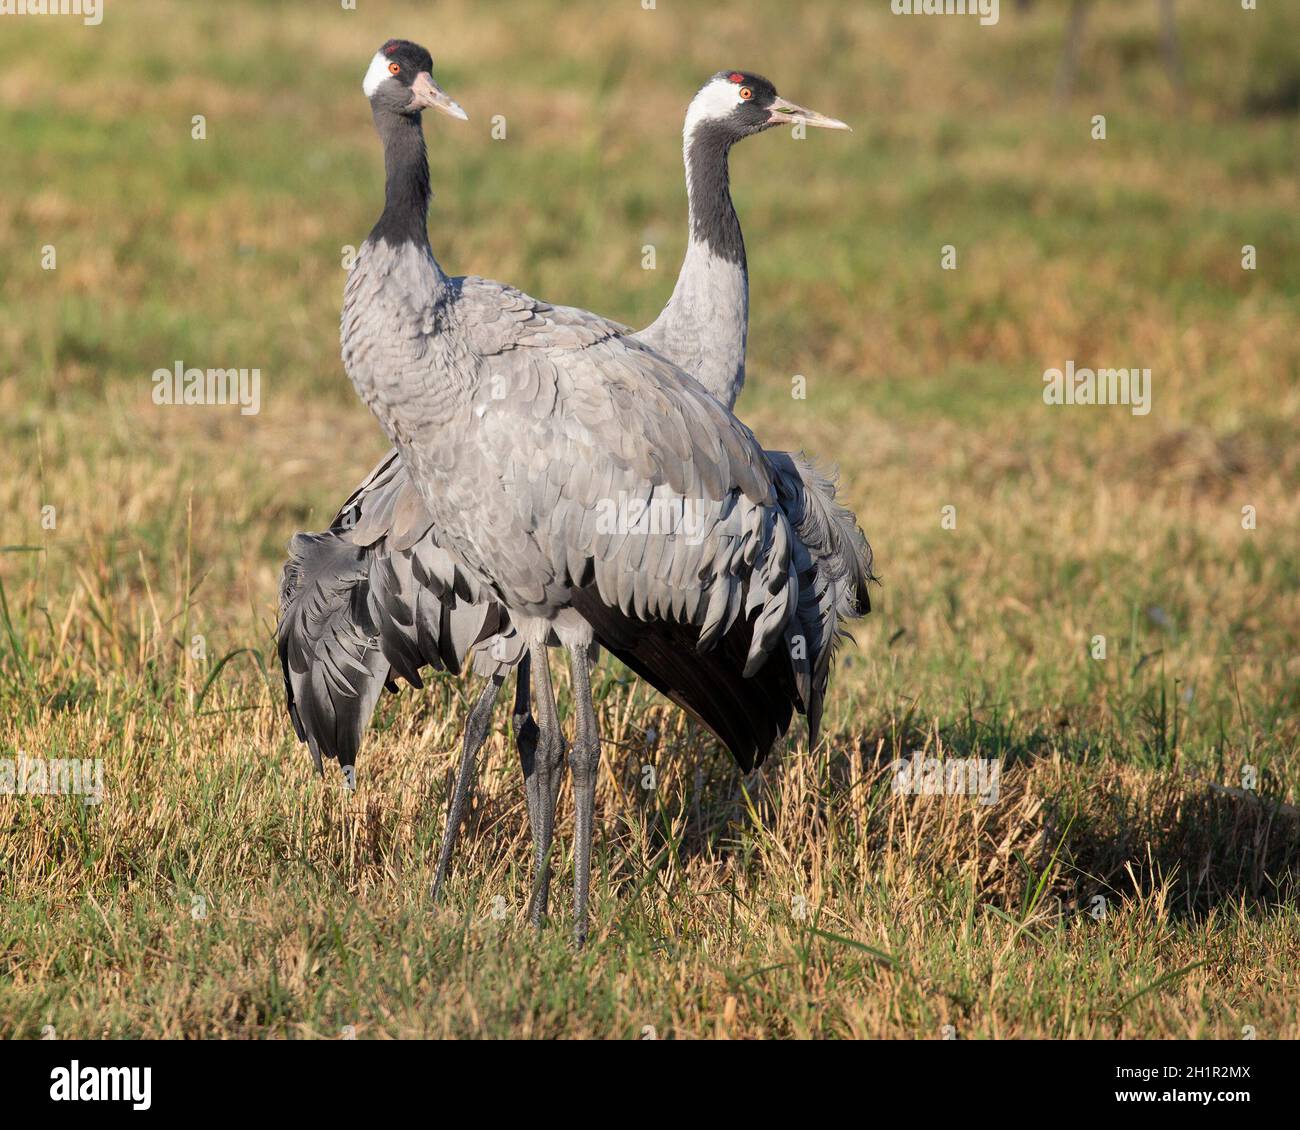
{"x":806,"y":900}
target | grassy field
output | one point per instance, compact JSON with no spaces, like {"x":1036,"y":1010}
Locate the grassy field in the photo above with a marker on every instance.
{"x":1129,"y":882}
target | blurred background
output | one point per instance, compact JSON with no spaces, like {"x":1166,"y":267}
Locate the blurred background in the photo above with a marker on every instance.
{"x":924,"y":385}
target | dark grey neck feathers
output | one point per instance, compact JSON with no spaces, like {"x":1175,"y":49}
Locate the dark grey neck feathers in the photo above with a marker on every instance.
{"x":704,"y":326}
{"x":713,"y":219}
{"x":406,"y":195}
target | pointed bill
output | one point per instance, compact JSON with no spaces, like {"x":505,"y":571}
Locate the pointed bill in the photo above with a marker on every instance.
{"x":785,"y":112}
{"x":428,"y":95}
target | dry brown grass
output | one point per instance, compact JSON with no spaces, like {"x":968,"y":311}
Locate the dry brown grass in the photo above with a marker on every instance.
{"x":924,"y":386}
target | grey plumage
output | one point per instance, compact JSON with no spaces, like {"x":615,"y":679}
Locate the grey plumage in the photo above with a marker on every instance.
{"x":703,"y":330}
{"x":538,"y":450}
{"x":371,"y":600}
{"x":705,"y":324}
{"x":329,"y":649}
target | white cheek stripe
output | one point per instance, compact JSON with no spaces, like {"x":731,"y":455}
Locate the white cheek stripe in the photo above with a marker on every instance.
{"x":718,"y":99}
{"x":378,"y":73}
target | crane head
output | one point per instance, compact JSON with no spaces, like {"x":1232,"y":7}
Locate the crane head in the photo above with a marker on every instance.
{"x":400,"y":80}
{"x":742,"y":103}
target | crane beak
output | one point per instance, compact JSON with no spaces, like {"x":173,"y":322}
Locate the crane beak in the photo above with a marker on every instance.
{"x":784,"y":113}
{"x":428,"y":95}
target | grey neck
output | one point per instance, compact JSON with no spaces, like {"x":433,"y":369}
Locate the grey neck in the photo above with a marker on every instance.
{"x":406,"y":189}
{"x":708,"y":189}
{"x":396,"y":279}
{"x":703,"y":328}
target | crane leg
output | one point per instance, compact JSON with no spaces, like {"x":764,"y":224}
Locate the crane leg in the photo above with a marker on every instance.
{"x":526,"y":736}
{"x":522,"y":715}
{"x":476,"y":731}
{"x":584,"y":764}
{"x":541,"y":782}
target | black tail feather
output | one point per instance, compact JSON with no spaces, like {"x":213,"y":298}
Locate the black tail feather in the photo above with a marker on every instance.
{"x":746,"y":715}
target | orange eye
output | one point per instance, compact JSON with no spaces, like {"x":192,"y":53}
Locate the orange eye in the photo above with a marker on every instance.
{"x":394,"y":68}
{"x":746,"y":93}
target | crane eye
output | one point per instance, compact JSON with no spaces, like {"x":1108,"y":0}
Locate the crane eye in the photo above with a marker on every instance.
{"x":394,"y":68}
{"x":746,"y":94}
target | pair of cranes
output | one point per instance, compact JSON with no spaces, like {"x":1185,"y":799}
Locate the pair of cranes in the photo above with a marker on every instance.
{"x":530,"y":443}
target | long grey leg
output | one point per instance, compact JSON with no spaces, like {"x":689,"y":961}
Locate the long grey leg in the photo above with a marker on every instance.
{"x":584,"y":764}
{"x":476,"y":730}
{"x":526,"y":735}
{"x":541,"y":784}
